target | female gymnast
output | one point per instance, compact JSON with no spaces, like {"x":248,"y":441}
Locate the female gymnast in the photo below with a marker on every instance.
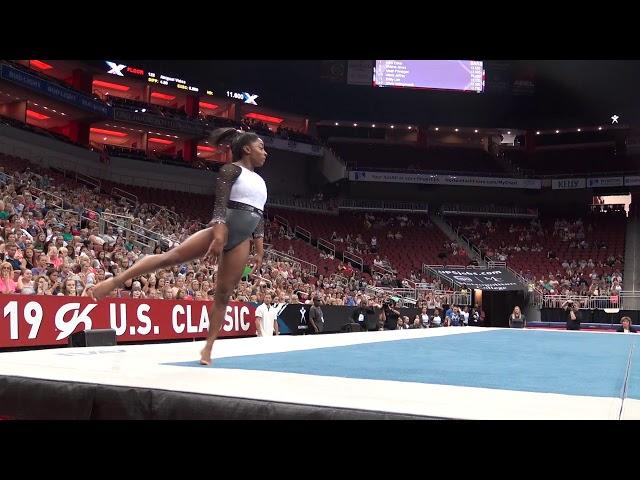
{"x":240,"y":195}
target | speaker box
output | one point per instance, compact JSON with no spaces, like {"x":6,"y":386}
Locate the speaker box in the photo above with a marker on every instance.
{"x":93,"y":338}
{"x":351,"y":327}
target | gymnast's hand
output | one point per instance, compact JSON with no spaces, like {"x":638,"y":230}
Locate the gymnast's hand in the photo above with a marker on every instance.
{"x":257,"y":263}
{"x":217,"y":243}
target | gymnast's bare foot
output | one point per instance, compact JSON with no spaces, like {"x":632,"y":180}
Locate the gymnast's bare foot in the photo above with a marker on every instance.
{"x":205,"y":356}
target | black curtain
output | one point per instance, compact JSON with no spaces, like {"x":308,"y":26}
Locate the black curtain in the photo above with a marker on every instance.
{"x":499,"y":305}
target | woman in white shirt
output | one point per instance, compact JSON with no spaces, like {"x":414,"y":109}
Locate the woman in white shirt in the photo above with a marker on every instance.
{"x":424,"y":318}
{"x":436,"y":320}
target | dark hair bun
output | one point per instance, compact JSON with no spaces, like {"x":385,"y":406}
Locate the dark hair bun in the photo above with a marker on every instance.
{"x":221,"y":136}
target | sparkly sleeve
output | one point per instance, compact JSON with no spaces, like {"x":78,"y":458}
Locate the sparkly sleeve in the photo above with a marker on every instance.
{"x":259,"y":231}
{"x":227,"y":175}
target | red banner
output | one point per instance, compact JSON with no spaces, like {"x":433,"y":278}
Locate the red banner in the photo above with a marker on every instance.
{"x":30,"y":320}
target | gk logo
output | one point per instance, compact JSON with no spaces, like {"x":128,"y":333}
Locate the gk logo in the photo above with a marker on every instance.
{"x":67,"y":327}
{"x":116,"y":69}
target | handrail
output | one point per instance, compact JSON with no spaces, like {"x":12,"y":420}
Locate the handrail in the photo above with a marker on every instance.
{"x":128,"y":217}
{"x":288,"y":257}
{"x":130,"y":197}
{"x":43,"y":192}
{"x":254,"y":275}
{"x":282,"y":221}
{"x":162,"y":210}
{"x":591,"y":302}
{"x":89,"y":180}
{"x":327,"y":245}
{"x":343,"y":281}
{"x":304,"y":233}
{"x":277,"y":256}
{"x":355,"y":259}
{"x":385,"y":270}
{"x":151,"y":233}
{"x":152,"y":241}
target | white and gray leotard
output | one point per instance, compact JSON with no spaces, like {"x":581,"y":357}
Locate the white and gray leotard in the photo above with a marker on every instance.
{"x":240,"y":196}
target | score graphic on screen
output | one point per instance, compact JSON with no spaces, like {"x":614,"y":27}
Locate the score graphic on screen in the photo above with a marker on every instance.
{"x":462,"y":75}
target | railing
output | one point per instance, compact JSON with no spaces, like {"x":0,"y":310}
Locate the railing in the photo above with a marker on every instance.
{"x":94,"y":182}
{"x":463,"y":238}
{"x":406,"y":292}
{"x":306,"y":205}
{"x":56,"y":200}
{"x":331,"y":207}
{"x":263,"y":279}
{"x":464,"y":267}
{"x":160,"y":210}
{"x":401,"y":301}
{"x":385,"y":205}
{"x":282,"y":221}
{"x":128,"y":196}
{"x":556,"y":301}
{"x":445,"y":297}
{"x":375,"y":291}
{"x":535,"y":297}
{"x":608,"y":208}
{"x":352,"y":166}
{"x":61,"y":170}
{"x":406,"y":302}
{"x":162,"y":238}
{"x":459,"y":298}
{"x":277,"y":256}
{"x":79,"y":215}
{"x":116,"y":218}
{"x":414,"y":296}
{"x":384,"y":270}
{"x":449,"y":297}
{"x":123,"y":221}
{"x":593,"y":302}
{"x":411,"y":283}
{"x":488,"y":211}
{"x":354,"y":259}
{"x":289,"y":258}
{"x":523,"y":280}
{"x":328,"y":246}
{"x":303,"y":233}
{"x":497,"y":263}
{"x":152,"y":242}
{"x":420,"y":286}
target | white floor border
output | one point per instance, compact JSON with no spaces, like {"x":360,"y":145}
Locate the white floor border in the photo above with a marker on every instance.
{"x":145,"y":366}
